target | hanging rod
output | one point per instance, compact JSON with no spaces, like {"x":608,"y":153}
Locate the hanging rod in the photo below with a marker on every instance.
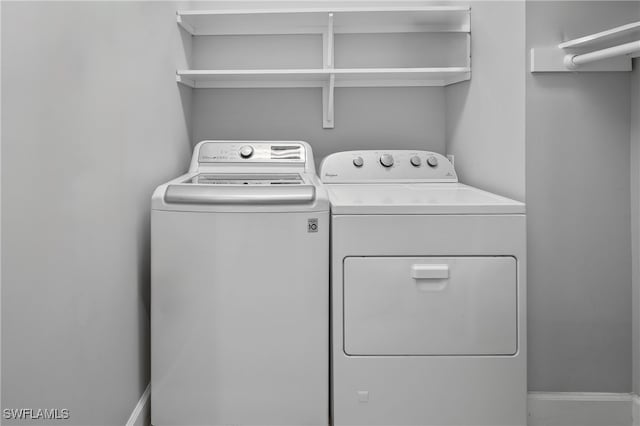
{"x":574,"y":61}
{"x":601,"y":36}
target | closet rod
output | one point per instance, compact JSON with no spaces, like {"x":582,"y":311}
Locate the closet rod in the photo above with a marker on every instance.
{"x":574,"y":61}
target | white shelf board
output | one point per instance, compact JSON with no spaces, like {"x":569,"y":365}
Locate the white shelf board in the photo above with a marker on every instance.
{"x":252,"y":78}
{"x":315,"y":21}
{"x":628,"y":30}
{"x":400,"y":77}
{"x":343,"y":77}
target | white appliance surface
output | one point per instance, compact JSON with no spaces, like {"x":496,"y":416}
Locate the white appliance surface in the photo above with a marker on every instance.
{"x":240,"y":289}
{"x":426,"y":305}
{"x":428,"y":294}
{"x":418,"y":198}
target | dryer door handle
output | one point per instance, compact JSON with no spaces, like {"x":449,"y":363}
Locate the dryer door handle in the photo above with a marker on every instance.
{"x":430,"y":272}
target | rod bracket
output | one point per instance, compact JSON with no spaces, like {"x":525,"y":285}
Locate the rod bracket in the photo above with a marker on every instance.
{"x":553,"y":59}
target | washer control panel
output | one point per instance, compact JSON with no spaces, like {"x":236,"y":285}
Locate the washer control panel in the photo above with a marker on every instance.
{"x":386,"y":166}
{"x":251,"y":152}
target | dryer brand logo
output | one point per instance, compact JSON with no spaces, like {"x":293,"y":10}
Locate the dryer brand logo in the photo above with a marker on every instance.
{"x":312,"y":225}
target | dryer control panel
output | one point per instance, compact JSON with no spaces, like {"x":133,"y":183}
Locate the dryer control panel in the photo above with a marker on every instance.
{"x":380,"y":166}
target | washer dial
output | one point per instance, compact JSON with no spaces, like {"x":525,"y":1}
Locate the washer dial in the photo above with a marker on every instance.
{"x":415,"y":161}
{"x":432,"y":161}
{"x":246,"y":151}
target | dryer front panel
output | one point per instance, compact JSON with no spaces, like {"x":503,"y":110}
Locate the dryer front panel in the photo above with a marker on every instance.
{"x":433,"y":305}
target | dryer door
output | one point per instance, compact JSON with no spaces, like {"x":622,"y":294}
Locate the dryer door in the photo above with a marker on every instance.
{"x":430,"y":306}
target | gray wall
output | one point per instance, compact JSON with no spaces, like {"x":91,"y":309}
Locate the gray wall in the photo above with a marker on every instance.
{"x":92,"y":121}
{"x":365,"y":118}
{"x":635,"y":218}
{"x":485,"y":116}
{"x":577,"y":183}
{"x":399,"y":118}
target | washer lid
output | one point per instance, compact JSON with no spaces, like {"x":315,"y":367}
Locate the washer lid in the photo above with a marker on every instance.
{"x":418,"y":198}
{"x":241,"y":192}
{"x":241,"y":189}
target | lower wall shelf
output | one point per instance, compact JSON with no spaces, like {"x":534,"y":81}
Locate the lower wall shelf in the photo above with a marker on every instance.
{"x":344,"y":77}
{"x":326,"y":78}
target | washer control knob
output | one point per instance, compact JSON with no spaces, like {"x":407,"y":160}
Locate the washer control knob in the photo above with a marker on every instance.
{"x":246,"y":151}
{"x":415,"y":161}
{"x":386,"y":160}
{"x":358,"y":162}
{"x":432,"y":161}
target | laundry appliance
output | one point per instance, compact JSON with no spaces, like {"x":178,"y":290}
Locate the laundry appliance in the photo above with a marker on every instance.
{"x":428,"y":294}
{"x":240,"y":289}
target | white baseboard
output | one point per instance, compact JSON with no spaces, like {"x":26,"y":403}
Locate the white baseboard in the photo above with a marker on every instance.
{"x":544,"y":409}
{"x":581,"y":409}
{"x":141,"y":414}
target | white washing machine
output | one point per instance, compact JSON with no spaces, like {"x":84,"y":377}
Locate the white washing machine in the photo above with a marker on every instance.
{"x":428,"y":294}
{"x":240,"y":289}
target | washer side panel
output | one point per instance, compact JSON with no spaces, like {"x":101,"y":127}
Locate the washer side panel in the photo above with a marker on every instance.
{"x":239,"y":318}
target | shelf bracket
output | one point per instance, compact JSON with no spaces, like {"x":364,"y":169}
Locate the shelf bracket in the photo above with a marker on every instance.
{"x":327,"y":63}
{"x":186,"y":81}
{"x":553,"y":59}
{"x":327,"y":43}
{"x":327,"y":102}
{"x":185,"y":25}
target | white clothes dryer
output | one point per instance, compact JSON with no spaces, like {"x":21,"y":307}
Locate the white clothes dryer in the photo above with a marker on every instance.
{"x":428,"y":294}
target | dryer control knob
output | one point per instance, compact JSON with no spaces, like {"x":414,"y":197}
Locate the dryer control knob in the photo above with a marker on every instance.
{"x":246,"y":151}
{"x":415,"y":161}
{"x":386,"y":160}
{"x":358,"y":162}
{"x":432,"y":161}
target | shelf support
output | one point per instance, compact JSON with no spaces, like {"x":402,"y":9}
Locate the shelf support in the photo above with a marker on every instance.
{"x":328,"y":63}
{"x":327,"y":102}
{"x":468,"y":50}
{"x":185,"y":25}
{"x":552,"y":59}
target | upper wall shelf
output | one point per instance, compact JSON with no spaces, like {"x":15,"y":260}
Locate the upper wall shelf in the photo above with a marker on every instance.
{"x":623,"y":43}
{"x":314,"y":21}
